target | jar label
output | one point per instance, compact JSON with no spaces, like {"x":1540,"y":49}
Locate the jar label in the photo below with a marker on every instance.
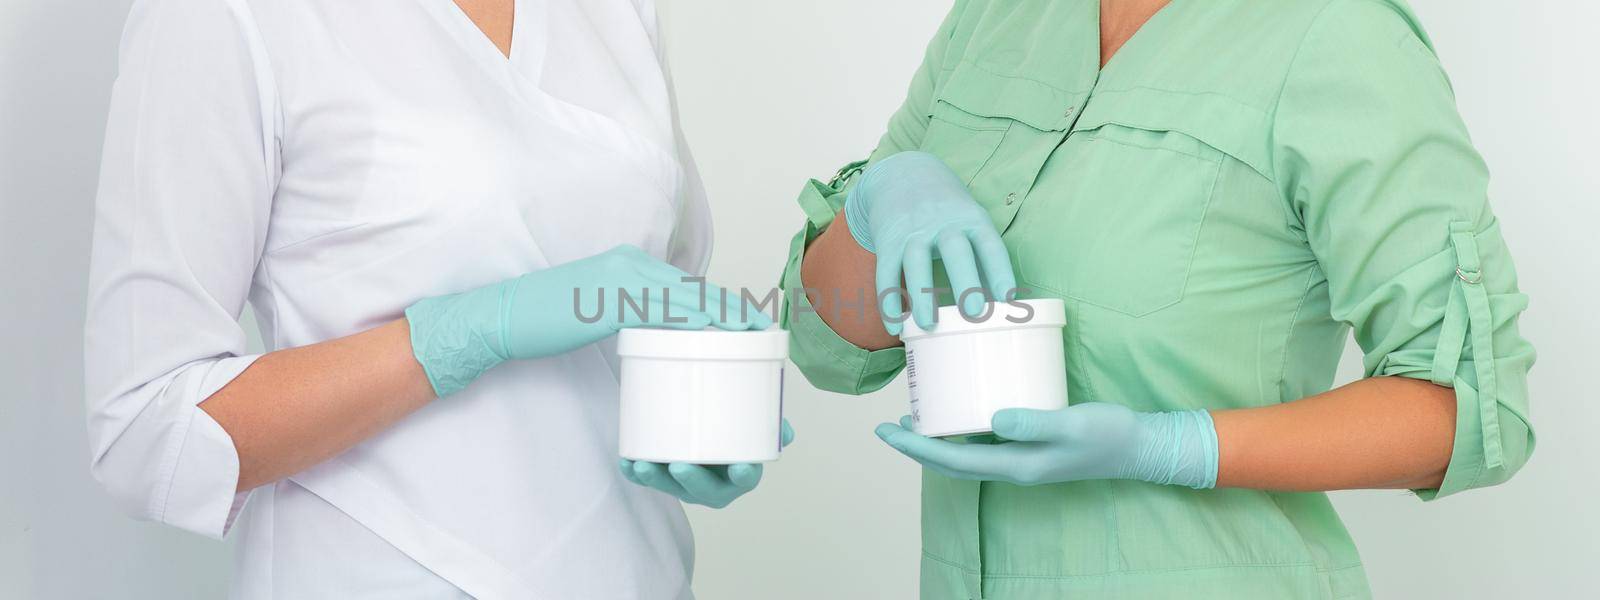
{"x":911,"y":383}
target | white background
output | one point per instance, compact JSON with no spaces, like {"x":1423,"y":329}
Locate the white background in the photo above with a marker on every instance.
{"x":774,"y":92}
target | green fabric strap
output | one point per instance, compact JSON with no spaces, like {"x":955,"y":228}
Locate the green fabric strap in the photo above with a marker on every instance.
{"x":1473,"y":300}
{"x":846,"y":173}
{"x":1452,"y":338}
{"x":822,"y":201}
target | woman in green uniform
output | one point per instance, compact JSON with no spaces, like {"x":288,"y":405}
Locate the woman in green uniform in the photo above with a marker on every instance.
{"x":1220,"y":190}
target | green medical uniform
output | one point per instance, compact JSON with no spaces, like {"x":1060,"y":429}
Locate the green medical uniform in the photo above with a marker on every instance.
{"x":1243,"y":185}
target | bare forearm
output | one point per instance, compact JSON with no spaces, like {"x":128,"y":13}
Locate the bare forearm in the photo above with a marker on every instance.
{"x":295,"y":408}
{"x":838,"y":274}
{"x":1384,"y":432}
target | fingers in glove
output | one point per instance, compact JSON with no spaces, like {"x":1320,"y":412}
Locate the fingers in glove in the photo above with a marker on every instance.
{"x":891,"y":297}
{"x":919,"y":279}
{"x":961,"y":268}
{"x":994,"y":261}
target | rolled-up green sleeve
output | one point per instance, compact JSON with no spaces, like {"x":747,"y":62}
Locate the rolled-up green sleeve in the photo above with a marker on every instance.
{"x":1392,"y":196}
{"x":828,"y":361}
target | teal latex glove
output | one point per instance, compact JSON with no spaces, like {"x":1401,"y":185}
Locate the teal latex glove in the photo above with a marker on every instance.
{"x":458,"y":337}
{"x":715,"y":486}
{"x":910,"y":209}
{"x":1085,"y":441}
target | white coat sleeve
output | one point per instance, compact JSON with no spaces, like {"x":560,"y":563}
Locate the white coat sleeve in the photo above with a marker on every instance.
{"x":189,"y":163}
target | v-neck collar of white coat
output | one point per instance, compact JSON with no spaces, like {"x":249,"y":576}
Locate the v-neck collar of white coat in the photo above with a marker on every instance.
{"x":528,"y":40}
{"x":521,"y":72}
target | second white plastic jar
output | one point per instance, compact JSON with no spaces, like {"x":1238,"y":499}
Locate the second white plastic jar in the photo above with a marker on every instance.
{"x":962,"y":371}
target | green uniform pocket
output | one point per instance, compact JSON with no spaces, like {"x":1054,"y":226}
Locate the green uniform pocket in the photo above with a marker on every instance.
{"x":1135,"y":200}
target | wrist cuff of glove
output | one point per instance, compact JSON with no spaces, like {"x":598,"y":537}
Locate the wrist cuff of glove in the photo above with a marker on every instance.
{"x":855,"y":216}
{"x":451,"y":353}
{"x":1181,"y":450}
{"x":1208,"y":452}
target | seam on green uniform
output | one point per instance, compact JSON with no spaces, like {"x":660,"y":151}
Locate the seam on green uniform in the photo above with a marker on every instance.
{"x":1332,"y":570}
{"x":1265,"y":112}
{"x":1010,"y":124}
{"x":1087,"y":375}
{"x":1114,"y":531}
{"x":1215,"y":160}
{"x":1277,"y":102}
{"x":969,"y":112}
{"x":1305,"y":545}
{"x":1294,"y":320}
{"x":1200,"y":228}
{"x":1296,"y":565}
{"x":1221,"y":567}
{"x":949,"y":563}
{"x":1107,"y":307}
{"x":974,"y":64}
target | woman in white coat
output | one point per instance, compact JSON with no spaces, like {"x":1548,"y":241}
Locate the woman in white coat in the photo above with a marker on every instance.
{"x":408,"y":192}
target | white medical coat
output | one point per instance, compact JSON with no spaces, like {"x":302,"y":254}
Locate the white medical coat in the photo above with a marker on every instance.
{"x":330,"y":162}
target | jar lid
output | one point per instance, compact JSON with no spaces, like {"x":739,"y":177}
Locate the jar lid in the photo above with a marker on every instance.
{"x":1016,"y":314}
{"x":707,"y":344}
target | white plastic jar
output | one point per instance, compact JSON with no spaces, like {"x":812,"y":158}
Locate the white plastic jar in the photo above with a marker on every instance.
{"x":706,"y":397}
{"x":963,"y":371}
